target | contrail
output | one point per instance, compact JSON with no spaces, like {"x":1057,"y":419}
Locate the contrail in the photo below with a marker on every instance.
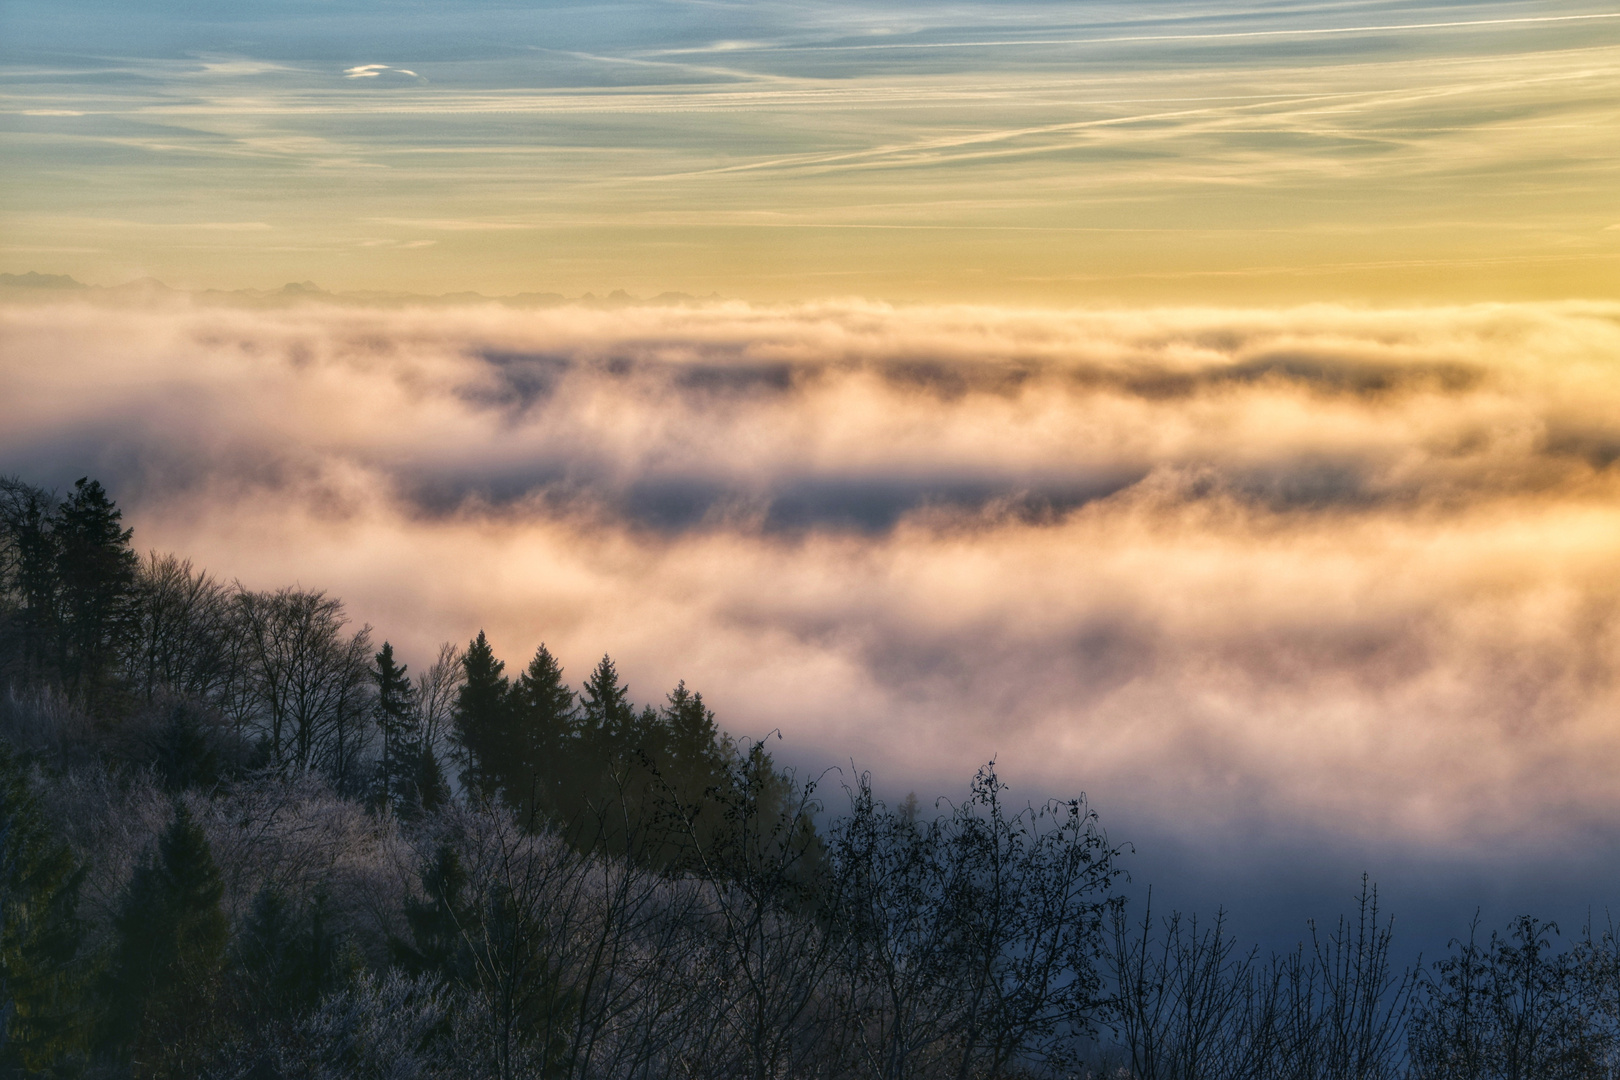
{"x":1171,"y":37}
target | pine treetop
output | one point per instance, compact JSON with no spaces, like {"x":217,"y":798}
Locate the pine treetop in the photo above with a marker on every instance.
{"x":542,"y":688}
{"x":394,"y":691}
{"x":605,"y":701}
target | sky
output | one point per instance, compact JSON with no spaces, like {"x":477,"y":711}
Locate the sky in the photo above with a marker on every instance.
{"x":1173,"y":151}
{"x":1214,"y":408}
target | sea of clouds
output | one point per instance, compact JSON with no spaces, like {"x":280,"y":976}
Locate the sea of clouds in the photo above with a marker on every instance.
{"x":1322,"y":572}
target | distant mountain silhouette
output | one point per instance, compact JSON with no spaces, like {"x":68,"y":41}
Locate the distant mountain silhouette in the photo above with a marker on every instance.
{"x":34,"y":280}
{"x":298,"y":291}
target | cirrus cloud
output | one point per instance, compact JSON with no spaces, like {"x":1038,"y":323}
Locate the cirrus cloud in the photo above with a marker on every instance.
{"x":383,"y":73}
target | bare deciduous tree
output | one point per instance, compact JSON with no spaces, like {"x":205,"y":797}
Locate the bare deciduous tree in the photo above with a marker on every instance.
{"x":183,"y":630}
{"x":310,"y":681}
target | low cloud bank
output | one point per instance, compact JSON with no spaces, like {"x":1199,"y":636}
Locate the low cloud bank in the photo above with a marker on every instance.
{"x":1344,"y":573}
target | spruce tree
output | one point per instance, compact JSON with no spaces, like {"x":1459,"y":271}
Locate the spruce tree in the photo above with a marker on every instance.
{"x":28,"y":571}
{"x":395,"y":714}
{"x":694,"y":789}
{"x":96,"y":575}
{"x":41,"y":974}
{"x":182,"y":752}
{"x":442,"y":923}
{"x":694,"y":740}
{"x":170,"y":951}
{"x":483,"y":717}
{"x":696,"y":765}
{"x":429,"y":787}
{"x":264,"y":953}
{"x":613,"y":779}
{"x":648,"y":738}
{"x":286,"y":961}
{"x":544,"y":729}
{"x":607,"y":713}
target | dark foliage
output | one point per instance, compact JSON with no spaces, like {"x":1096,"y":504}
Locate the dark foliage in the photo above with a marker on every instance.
{"x":545,"y":730}
{"x":483,"y":718}
{"x":394,"y":713}
{"x":42,"y":975}
{"x":1514,"y":1008}
{"x":229,"y":849}
{"x":161,"y":987}
{"x":70,"y":567}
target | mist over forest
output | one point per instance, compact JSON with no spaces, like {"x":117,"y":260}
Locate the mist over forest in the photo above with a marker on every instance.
{"x":1291,"y":594}
{"x":1339,"y":571}
{"x":675,"y":539}
{"x":239,"y":838}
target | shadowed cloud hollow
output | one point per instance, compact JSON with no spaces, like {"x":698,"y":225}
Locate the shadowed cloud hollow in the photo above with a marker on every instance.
{"x":1342,"y":571}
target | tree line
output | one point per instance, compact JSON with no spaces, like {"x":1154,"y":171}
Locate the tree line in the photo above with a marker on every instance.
{"x":239,"y":838}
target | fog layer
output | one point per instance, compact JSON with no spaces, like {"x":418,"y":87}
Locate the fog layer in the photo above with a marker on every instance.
{"x":1322,"y":571}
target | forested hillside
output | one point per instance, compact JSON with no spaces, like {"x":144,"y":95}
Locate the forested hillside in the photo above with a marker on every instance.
{"x":240,"y":838}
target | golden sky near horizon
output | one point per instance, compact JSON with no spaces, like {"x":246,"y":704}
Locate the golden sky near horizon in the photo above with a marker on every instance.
{"x":1015,"y":153}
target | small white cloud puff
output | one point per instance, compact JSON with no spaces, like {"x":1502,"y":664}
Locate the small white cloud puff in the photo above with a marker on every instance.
{"x":372,"y":71}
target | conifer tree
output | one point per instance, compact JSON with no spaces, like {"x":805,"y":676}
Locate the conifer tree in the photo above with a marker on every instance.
{"x":28,"y":571}
{"x":694,"y":740}
{"x":592,"y":806}
{"x":41,"y":974}
{"x":395,"y":714}
{"x":441,"y":922}
{"x":429,"y":788}
{"x":483,"y":717}
{"x":607,"y":713}
{"x":182,"y":753}
{"x":265,"y":952}
{"x":544,"y":729}
{"x":696,"y":769}
{"x":170,"y":951}
{"x":648,"y":738}
{"x":286,"y":961}
{"x":96,"y":574}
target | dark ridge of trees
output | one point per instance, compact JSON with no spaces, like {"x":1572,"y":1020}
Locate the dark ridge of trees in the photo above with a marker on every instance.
{"x":238,"y":839}
{"x":72,"y":576}
{"x":396,"y":731}
{"x":42,"y":975}
{"x":161,"y":982}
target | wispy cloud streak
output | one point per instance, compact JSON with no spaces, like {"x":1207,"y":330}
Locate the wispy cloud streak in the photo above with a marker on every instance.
{"x":1303,"y":31}
{"x":1341,"y":136}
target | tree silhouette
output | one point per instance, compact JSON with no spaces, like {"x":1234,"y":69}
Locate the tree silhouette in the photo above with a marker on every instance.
{"x":41,"y":974}
{"x":483,"y":717}
{"x":28,"y":571}
{"x":286,"y":960}
{"x":395,"y":716}
{"x":171,"y":938}
{"x":96,"y":570}
{"x":605,"y":705}
{"x":543,"y":729}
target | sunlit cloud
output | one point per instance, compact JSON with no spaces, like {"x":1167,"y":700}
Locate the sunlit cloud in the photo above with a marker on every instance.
{"x":375,"y":71}
{"x":1331,"y":569}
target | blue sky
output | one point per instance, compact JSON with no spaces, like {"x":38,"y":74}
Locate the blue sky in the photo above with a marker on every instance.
{"x":1014,"y":152}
